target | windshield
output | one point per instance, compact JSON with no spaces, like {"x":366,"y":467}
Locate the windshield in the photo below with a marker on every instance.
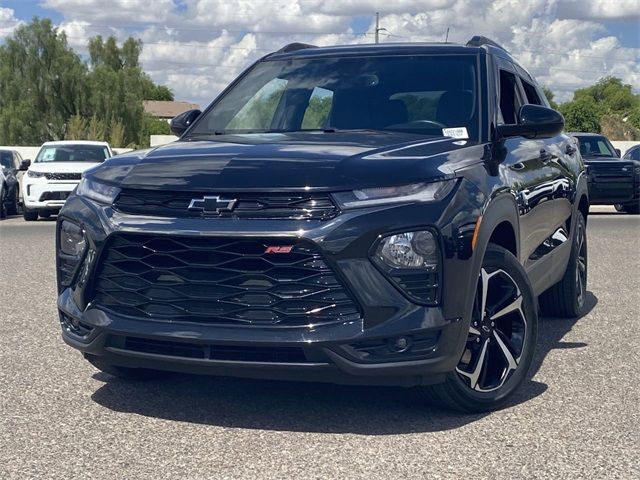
{"x":420,"y":94}
{"x":73,"y":153}
{"x":594,"y":146}
{"x":6,"y":160}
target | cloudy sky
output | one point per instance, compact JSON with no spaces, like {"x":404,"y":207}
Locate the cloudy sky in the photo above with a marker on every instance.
{"x":196,"y":47}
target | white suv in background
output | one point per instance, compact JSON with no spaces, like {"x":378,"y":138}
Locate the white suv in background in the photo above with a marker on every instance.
{"x":55,"y":172}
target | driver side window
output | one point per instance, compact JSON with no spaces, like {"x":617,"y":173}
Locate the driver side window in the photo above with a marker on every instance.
{"x":510,"y":101}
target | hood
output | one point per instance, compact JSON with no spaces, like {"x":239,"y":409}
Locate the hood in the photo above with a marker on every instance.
{"x":62,"y":167}
{"x":309,"y":160}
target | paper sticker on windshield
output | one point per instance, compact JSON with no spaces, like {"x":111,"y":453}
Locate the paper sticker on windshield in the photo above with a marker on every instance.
{"x":455,"y":132}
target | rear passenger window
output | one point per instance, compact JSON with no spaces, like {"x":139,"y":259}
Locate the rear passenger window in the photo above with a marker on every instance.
{"x":531,"y":93}
{"x":510,"y":101}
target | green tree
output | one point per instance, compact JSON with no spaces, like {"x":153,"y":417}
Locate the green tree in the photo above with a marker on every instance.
{"x":76,"y":128}
{"x":582,"y":115}
{"x":118,"y":86}
{"x":612,"y":94}
{"x":42,"y":84}
{"x":116,"y":135}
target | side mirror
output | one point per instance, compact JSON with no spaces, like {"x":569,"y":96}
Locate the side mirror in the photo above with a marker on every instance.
{"x":618,"y":152}
{"x":180,"y":123}
{"x":534,"y":121}
{"x":24,"y":165}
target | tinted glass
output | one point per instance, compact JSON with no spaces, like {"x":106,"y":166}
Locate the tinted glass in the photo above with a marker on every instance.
{"x":509,"y":99}
{"x":73,"y":153}
{"x":633,"y":154}
{"x":594,"y":146}
{"x":532,"y":95}
{"x":6,"y":160}
{"x":421,"y":94}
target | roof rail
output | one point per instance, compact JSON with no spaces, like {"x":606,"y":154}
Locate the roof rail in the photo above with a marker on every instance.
{"x":292,"y":47}
{"x":479,"y":40}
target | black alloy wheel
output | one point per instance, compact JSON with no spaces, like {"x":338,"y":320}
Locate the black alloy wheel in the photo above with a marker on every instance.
{"x":497,"y":333}
{"x":500,"y":342}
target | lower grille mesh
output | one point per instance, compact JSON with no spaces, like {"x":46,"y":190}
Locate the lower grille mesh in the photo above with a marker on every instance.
{"x":217,"y":280}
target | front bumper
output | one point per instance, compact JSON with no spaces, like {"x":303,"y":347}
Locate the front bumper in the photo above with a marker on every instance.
{"x":332,"y":352}
{"x":43,"y":194}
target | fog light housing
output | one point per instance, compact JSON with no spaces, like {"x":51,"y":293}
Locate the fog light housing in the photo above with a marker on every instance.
{"x":411,"y":260}
{"x":400,"y":344}
{"x":72,"y":241}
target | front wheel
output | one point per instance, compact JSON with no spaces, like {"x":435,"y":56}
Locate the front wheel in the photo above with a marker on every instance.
{"x":29,"y":215}
{"x":500,"y":342}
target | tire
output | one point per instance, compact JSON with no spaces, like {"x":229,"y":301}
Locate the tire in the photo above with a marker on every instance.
{"x":619,"y":207}
{"x":633,"y":209}
{"x":29,"y":215}
{"x":125,"y":373}
{"x":567,"y":298}
{"x":12,"y":208}
{"x":500,"y":342}
{"x":3,"y":206}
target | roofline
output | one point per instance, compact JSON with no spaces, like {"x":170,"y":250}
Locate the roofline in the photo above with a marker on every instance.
{"x":75,"y":142}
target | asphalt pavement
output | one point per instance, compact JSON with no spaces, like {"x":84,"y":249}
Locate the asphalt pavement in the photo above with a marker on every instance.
{"x":578,"y":417}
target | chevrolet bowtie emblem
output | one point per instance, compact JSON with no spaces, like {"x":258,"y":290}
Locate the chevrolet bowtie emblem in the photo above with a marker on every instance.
{"x":212,"y":205}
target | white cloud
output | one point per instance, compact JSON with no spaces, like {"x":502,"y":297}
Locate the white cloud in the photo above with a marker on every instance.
{"x":199,"y":47}
{"x":600,"y":9}
{"x":8,"y":22}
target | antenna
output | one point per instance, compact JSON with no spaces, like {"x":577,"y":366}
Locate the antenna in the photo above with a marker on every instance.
{"x":446,"y":38}
{"x":378,"y":29}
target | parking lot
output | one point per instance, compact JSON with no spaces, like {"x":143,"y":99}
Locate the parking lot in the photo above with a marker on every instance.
{"x":577,"y":417}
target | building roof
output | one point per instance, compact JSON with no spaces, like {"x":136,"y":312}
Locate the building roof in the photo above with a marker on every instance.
{"x":166,"y":109}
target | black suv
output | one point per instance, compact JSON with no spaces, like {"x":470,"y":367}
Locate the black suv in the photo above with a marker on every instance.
{"x":612,"y":180}
{"x":363,"y":214}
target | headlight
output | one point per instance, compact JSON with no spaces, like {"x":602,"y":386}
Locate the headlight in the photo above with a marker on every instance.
{"x":72,"y":240}
{"x":32,"y":174}
{"x":411,"y":260}
{"x":417,"y":192}
{"x":100,"y":192}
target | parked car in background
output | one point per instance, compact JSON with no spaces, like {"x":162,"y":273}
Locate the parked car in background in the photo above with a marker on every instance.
{"x":633,"y":153}
{"x":10,"y":161}
{"x":382,"y":242}
{"x":612,"y":180}
{"x":55,"y":172}
{"x":3,"y":195}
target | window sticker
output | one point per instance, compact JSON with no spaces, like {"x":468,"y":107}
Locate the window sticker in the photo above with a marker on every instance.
{"x":455,"y":132}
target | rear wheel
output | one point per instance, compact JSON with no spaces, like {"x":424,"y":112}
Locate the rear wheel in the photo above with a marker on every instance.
{"x":500,"y":341}
{"x":29,"y":215}
{"x":125,"y":373}
{"x":567,"y":298}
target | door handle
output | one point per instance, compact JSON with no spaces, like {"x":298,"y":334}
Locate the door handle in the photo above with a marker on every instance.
{"x":545,"y":156}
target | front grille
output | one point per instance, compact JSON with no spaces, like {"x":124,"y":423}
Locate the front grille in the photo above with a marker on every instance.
{"x":63,"y":176}
{"x":237,"y":353}
{"x":275,"y":205}
{"x":46,"y":196}
{"x":215,"y":280}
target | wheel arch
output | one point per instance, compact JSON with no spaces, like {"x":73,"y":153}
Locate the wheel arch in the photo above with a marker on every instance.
{"x":499,"y":223}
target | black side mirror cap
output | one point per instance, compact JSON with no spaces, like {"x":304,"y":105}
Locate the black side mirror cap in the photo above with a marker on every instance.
{"x":534,"y":121}
{"x":24,"y":165}
{"x":618,"y":152}
{"x":180,"y":123}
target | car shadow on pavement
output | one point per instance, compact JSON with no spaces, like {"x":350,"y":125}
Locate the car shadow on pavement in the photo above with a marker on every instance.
{"x":306,"y":407}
